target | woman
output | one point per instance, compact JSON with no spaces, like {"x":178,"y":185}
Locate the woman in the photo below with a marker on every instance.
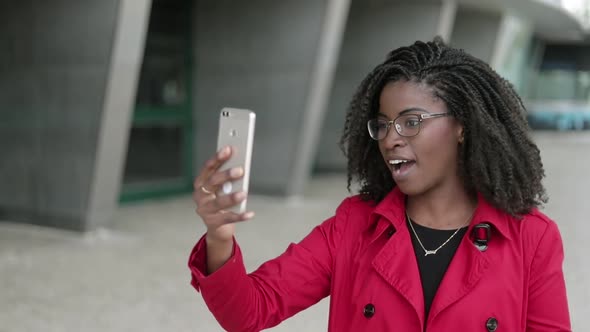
{"x":445,"y":234}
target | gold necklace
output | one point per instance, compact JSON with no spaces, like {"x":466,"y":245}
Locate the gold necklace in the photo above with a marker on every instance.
{"x":433,"y":252}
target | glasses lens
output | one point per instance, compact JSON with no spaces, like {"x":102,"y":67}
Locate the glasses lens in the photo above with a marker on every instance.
{"x":407,"y":125}
{"x":377,"y":128}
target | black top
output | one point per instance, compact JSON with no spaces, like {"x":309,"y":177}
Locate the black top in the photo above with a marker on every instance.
{"x":433,"y":267}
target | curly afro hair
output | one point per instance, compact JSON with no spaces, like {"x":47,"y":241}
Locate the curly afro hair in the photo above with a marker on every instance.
{"x":497,"y":158}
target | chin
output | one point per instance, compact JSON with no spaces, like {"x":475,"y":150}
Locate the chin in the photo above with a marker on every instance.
{"x":411,"y":189}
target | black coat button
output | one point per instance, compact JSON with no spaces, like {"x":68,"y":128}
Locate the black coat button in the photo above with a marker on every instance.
{"x":369,"y":310}
{"x":492,"y":324}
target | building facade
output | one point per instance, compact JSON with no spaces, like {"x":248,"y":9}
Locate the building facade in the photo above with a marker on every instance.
{"x":117,"y":100}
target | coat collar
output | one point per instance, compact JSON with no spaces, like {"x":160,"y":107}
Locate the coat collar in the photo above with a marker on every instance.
{"x":393,"y":208}
{"x":397,"y":265}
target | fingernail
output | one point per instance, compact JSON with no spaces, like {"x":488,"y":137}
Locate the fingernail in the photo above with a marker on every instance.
{"x":236,"y":171}
{"x":240,"y":195}
{"x":249,"y":215}
{"x":223,"y":152}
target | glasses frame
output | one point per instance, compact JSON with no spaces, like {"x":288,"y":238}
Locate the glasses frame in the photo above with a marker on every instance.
{"x":421,"y":118}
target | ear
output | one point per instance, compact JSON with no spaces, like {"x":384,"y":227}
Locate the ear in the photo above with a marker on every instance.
{"x":460,"y":134}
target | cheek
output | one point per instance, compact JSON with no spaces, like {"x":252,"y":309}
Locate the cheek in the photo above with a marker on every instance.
{"x":382,"y":149}
{"x":438,"y":150}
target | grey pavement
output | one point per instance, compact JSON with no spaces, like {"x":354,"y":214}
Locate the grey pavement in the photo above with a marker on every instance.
{"x":133,"y":275}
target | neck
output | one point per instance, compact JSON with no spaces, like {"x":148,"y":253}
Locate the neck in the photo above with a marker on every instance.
{"x":446,"y":207}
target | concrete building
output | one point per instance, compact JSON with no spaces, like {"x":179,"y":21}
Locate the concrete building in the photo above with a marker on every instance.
{"x":117,"y":100}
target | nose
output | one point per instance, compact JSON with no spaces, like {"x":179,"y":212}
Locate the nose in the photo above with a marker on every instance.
{"x":393,"y":139}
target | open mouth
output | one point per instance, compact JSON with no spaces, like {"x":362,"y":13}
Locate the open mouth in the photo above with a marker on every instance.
{"x":401,"y":166}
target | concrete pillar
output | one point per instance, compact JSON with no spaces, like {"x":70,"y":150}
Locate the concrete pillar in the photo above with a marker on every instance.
{"x":319,"y":94}
{"x":117,"y":112}
{"x":501,"y":39}
{"x":476,"y":32}
{"x":266,"y":56}
{"x":513,"y":53}
{"x":55,"y":62}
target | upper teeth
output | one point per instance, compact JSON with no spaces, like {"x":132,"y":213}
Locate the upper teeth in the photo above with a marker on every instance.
{"x":398,"y":161}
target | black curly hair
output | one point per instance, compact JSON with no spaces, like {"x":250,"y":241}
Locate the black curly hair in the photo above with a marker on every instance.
{"x":497,"y":158}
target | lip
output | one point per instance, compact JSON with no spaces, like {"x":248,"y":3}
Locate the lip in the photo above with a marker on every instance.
{"x":400,"y":175}
{"x":398,"y":157}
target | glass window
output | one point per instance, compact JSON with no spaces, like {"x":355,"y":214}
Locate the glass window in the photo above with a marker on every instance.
{"x":154,"y":154}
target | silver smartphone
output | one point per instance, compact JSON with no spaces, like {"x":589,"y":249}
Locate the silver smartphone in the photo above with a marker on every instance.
{"x":236,"y":129}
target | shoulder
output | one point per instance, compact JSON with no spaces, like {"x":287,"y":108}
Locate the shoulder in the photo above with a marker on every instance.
{"x":355,"y":207}
{"x":356,"y":204}
{"x":354,"y":211}
{"x":536,"y":224}
{"x":539,"y":232}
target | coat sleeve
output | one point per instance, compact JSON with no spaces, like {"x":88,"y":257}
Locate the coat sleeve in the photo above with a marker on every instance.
{"x":547,"y":303}
{"x":279,"y":288}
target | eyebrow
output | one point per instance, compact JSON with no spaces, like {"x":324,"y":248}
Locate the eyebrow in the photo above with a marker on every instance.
{"x":409,"y":110}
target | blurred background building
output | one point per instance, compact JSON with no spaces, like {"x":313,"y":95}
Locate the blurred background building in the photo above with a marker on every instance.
{"x":114,"y":101}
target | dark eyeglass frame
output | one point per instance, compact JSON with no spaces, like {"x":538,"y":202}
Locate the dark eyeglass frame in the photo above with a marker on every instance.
{"x":419,"y":117}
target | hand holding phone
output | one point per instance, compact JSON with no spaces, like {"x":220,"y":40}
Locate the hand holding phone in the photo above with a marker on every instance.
{"x":236,"y":129}
{"x":220,"y":193}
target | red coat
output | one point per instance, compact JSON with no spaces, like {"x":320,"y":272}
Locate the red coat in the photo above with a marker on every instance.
{"x":364,"y":259}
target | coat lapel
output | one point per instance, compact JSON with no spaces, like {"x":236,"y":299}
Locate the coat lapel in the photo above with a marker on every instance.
{"x":396,"y":261}
{"x":470,"y":265}
{"x":466,"y":269}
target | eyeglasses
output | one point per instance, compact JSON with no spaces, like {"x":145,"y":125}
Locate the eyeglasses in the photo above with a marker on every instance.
{"x":406,"y":125}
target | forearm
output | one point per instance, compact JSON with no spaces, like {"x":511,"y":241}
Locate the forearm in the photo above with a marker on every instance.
{"x":218,"y":253}
{"x":278,"y":289}
{"x":231,"y":295}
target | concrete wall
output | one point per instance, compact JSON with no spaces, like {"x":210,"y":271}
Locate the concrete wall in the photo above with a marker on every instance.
{"x":259,"y":55}
{"x":501,"y":39}
{"x":476,"y":32}
{"x":54,"y":61}
{"x":512,"y":56}
{"x":373,"y":29}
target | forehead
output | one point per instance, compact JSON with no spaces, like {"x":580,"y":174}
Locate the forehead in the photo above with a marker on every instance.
{"x":399,"y":96}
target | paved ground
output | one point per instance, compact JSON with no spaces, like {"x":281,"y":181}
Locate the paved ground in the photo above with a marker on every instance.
{"x":133,"y":276}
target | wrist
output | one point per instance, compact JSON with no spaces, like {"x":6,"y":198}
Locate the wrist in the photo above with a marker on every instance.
{"x":213,"y":239}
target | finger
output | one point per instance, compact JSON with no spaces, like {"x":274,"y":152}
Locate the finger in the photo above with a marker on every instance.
{"x":219,"y":178}
{"x":230,"y":218}
{"x":206,"y":204}
{"x":221,"y":203}
{"x":237,"y":217}
{"x":212,"y":165}
{"x":200,"y":199}
{"x":201,"y":193}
